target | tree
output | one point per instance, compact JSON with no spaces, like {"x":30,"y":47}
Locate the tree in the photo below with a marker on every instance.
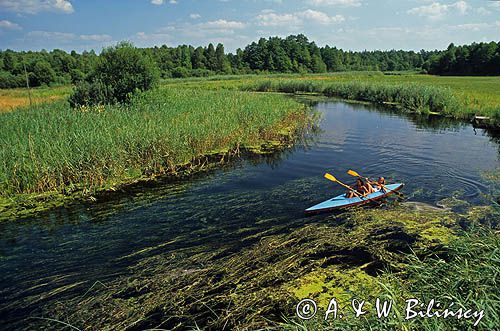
{"x":198,"y":60}
{"x":211,"y":57}
{"x":222,"y":63}
{"x":122,"y":70}
{"x":43,"y":74}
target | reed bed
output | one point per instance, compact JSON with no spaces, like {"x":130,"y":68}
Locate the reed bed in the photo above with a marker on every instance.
{"x":53,"y":147}
{"x":411,"y":96}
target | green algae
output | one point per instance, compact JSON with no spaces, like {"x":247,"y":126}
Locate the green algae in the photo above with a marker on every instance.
{"x":334,"y":282}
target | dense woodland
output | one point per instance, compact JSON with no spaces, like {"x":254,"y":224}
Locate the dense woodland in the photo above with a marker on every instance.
{"x":294,"y":54}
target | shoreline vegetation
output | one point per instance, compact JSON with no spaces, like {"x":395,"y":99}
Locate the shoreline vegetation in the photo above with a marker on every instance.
{"x":464,"y":98}
{"x":58,"y":154}
{"x":100,"y":148}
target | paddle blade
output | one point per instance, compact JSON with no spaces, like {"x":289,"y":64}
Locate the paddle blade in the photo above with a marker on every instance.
{"x":330,"y":177}
{"x":353,"y":173}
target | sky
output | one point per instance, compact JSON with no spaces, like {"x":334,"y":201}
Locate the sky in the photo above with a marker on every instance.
{"x":349,"y":24}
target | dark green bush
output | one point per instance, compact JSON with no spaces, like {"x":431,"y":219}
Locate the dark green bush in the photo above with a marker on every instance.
{"x":121,"y":71}
{"x":180,"y":72}
{"x":93,"y":93}
{"x":8,"y":80}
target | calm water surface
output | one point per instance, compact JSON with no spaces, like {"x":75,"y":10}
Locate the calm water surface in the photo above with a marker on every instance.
{"x":63,"y":253}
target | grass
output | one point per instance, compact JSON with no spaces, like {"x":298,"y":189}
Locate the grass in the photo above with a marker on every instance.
{"x":458,"y":97}
{"x":409,"y":96}
{"x":14,"y":98}
{"x":52,"y":147}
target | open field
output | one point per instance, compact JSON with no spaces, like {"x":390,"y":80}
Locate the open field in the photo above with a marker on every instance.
{"x":13,"y":98}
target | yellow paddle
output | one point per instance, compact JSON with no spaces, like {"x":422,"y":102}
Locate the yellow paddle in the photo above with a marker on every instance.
{"x":333,"y":179}
{"x":355,"y":174}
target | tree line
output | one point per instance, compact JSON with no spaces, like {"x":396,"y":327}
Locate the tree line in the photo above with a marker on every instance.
{"x":293,"y":54}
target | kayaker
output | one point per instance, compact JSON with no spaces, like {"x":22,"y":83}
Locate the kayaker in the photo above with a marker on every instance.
{"x":358,"y":187}
{"x":380,"y":183}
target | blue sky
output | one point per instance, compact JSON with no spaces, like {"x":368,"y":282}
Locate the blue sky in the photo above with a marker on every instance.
{"x":349,"y":24}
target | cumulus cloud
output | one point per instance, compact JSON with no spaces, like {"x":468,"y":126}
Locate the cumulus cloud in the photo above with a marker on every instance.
{"x":195,"y":16}
{"x":8,"y":25}
{"x":436,"y":10}
{"x":36,"y":6}
{"x":270,"y":18}
{"x":157,"y":2}
{"x":342,"y":3}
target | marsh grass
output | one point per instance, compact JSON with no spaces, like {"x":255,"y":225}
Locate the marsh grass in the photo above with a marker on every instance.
{"x":53,"y":147}
{"x":410,"y":96}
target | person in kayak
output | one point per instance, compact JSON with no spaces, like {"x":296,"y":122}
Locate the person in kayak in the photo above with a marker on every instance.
{"x":361,"y":188}
{"x":379,"y":184}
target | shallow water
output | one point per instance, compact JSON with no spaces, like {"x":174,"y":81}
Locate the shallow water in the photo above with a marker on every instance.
{"x":64,"y":252}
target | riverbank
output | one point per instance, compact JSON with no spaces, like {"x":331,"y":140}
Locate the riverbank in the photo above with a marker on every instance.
{"x":395,"y":253}
{"x":464,"y":98}
{"x":57,"y":154}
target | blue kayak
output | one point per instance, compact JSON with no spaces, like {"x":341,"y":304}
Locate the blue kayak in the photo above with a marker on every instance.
{"x":342,"y":202}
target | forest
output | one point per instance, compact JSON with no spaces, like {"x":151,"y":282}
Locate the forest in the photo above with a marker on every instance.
{"x":293,"y":54}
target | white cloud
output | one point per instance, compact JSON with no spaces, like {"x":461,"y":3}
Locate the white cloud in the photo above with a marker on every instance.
{"x":195,"y":16}
{"x":8,"y":25}
{"x":436,"y":10}
{"x":269,"y":18}
{"x":157,"y":2}
{"x":320,"y":17}
{"x":65,"y":37}
{"x":51,"y":35}
{"x":342,"y":3}
{"x":36,"y":6}
{"x":222,"y":24}
{"x":495,"y":5}
{"x":273,"y":19}
{"x":472,"y":26}
{"x":483,"y":11}
{"x":95,"y":37}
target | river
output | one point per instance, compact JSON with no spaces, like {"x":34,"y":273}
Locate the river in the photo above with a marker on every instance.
{"x":62,"y":253}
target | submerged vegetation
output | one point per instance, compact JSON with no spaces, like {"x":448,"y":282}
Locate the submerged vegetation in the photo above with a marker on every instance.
{"x":394,"y":253}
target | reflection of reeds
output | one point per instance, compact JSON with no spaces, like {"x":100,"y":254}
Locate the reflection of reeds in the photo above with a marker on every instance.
{"x":53,"y":147}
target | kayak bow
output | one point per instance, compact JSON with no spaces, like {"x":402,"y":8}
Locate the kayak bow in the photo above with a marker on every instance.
{"x":341,"y":201}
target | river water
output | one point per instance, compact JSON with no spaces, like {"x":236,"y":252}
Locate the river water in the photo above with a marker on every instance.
{"x":62,"y":253}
